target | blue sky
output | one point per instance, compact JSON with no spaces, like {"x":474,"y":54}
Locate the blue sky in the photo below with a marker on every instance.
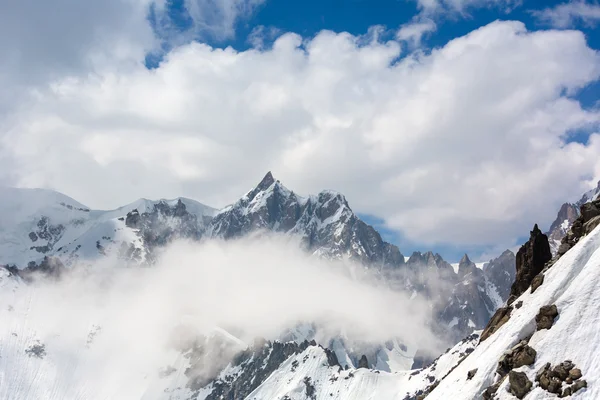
{"x":309,"y":17}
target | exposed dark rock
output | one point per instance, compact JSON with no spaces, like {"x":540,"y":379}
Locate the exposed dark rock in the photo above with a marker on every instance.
{"x":471,"y":374}
{"x":587,"y":221}
{"x":363,"y":362}
{"x":519,"y":384}
{"x":272,"y":207}
{"x":567,"y":214}
{"x":531,"y":258}
{"x":575,"y":374}
{"x":48,"y":233}
{"x":311,"y":391}
{"x":37,"y":350}
{"x":49,"y":268}
{"x":133,"y":219}
{"x":500,"y":317}
{"x":537,"y":282}
{"x":519,"y":355}
{"x":519,"y":304}
{"x":332,"y":359}
{"x":421,"y":360}
{"x":255,"y":366}
{"x":160,"y":226}
{"x":552,"y":379}
{"x":490,"y":392}
{"x":546,"y":316}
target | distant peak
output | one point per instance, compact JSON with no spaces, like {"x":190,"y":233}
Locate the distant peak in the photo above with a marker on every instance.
{"x":267,"y":181}
{"x":465,"y":259}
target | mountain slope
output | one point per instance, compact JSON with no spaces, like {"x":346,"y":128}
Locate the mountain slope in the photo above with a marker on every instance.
{"x":571,"y":284}
{"x":37,"y":223}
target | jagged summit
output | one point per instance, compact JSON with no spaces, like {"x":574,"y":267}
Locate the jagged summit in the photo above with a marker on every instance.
{"x":325,"y":223}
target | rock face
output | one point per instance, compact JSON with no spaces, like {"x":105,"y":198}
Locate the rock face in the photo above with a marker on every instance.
{"x":545,"y":318}
{"x":325,"y":223}
{"x":588,"y":220}
{"x":500,"y":317}
{"x":567,"y":214}
{"x":162,"y":224}
{"x":250,"y":368}
{"x":566,"y":217}
{"x":531,"y":259}
{"x":501,"y":272}
{"x":363,"y":362}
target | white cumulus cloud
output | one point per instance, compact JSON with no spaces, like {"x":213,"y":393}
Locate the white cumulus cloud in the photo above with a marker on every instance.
{"x":468,"y":144}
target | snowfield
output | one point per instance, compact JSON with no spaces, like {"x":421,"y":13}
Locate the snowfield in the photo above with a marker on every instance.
{"x":573,"y":284}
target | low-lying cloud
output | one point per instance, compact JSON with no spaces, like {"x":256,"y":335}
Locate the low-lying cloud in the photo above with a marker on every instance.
{"x":111,"y":322}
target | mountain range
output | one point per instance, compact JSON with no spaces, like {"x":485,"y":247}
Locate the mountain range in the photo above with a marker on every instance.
{"x":45,"y":231}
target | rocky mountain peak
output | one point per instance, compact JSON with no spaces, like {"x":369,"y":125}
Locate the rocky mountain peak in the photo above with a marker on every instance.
{"x":325,"y":223}
{"x":530,"y":261}
{"x":466,"y":267}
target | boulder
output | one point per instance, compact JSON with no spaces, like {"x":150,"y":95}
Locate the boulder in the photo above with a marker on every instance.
{"x":518,"y":384}
{"x":471,"y":374}
{"x":537,"y":282}
{"x":545,"y":317}
{"x":519,"y":355}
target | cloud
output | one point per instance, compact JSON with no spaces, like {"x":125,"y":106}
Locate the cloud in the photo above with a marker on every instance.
{"x":569,"y":14}
{"x":261,"y":34}
{"x":251,"y":288}
{"x":182,"y":21}
{"x":461,"y":6}
{"x":42,"y":41}
{"x":412,"y":32}
{"x":466,"y":145}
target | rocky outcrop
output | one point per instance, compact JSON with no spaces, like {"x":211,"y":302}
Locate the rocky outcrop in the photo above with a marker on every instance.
{"x":567,"y":214}
{"x":588,"y":220}
{"x":363,"y":362}
{"x":531,"y":259}
{"x":252,"y":367}
{"x":160,"y":225}
{"x":500,"y":317}
{"x":537,"y":282}
{"x":545,"y":318}
{"x":563,"y":380}
{"x":520,"y":355}
{"x":49,"y":268}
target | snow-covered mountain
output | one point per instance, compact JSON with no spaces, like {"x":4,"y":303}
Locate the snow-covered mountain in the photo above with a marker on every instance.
{"x":47,"y":231}
{"x":324,"y":223}
{"x":36,"y":223}
{"x":44,"y":224}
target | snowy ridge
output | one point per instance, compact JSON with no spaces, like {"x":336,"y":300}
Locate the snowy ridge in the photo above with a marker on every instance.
{"x":39,"y":222}
{"x":309,"y":376}
{"x":572,"y":285}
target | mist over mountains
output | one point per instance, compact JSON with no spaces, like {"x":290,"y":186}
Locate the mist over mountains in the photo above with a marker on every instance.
{"x":232,"y":297}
